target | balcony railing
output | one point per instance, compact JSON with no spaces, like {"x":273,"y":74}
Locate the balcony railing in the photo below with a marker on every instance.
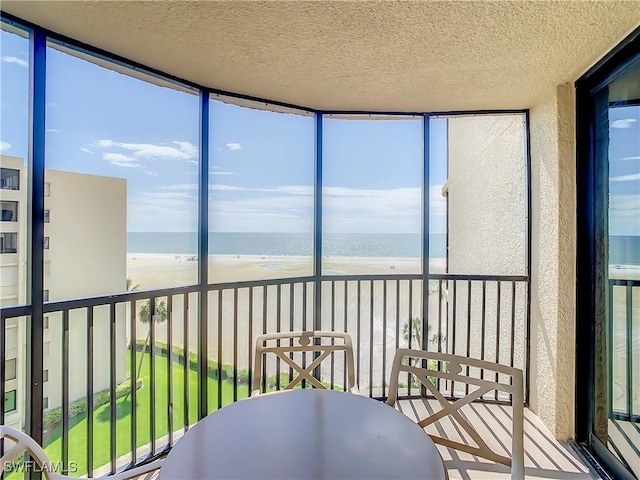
{"x":187,"y":365}
{"x":623,"y":348}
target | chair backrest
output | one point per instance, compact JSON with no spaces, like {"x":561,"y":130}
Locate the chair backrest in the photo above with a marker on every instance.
{"x":429,"y":368}
{"x":19,"y":443}
{"x":285,"y":345}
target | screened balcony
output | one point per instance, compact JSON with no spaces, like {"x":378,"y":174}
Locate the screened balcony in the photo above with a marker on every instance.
{"x":183,"y":216}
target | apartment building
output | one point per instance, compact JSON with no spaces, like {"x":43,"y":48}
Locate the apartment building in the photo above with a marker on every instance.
{"x":84,"y":255}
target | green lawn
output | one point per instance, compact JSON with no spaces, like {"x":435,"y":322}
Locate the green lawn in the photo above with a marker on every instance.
{"x":102,"y":420}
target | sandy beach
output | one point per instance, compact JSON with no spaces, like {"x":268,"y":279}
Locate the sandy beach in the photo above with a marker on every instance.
{"x":154,"y":271}
{"x":376,"y":326}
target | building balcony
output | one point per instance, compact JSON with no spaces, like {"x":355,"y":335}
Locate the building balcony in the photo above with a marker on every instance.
{"x":455,"y":177}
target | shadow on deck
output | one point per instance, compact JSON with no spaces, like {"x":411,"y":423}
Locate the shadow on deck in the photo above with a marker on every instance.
{"x":545,"y":457}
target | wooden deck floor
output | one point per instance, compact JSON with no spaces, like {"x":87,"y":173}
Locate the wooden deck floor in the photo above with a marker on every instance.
{"x":624,"y":439}
{"x":544,"y":456}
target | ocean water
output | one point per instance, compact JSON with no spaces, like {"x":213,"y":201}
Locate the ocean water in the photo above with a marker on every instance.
{"x":342,"y":245}
{"x":624,"y":250}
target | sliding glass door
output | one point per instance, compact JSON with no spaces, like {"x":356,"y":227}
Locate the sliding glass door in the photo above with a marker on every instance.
{"x":608,"y":401}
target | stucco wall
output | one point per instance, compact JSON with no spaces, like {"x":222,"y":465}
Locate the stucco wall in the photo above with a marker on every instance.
{"x":487,"y":227}
{"x":487,"y":195}
{"x":553,"y":261}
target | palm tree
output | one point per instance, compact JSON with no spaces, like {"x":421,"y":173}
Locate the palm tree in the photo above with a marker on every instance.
{"x":413,"y":328}
{"x":130,"y":286}
{"x":416,"y":333}
{"x":412,"y":332}
{"x":160,"y":315}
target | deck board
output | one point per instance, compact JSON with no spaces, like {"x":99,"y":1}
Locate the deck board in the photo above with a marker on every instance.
{"x":545,"y":457}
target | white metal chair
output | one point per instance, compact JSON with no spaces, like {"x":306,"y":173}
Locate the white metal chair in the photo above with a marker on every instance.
{"x":16,"y":443}
{"x":449,"y":368}
{"x":285,"y":345}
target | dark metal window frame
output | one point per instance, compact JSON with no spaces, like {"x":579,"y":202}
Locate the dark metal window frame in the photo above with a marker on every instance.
{"x":588,"y":171}
{"x":35,"y":307}
{"x":11,"y":376}
{"x":12,"y":208}
{"x":9,"y":242}
{"x":11,"y":393}
{"x":8,"y":185}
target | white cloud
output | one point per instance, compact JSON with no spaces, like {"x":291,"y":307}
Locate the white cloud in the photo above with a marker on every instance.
{"x":126,"y":164}
{"x":625,"y":178}
{"x":17,"y":61}
{"x":116,"y":157}
{"x":175,"y":215}
{"x":624,"y":214}
{"x":624,"y":202}
{"x":272,"y":214}
{"x":182,"y":150}
{"x":630,"y":158}
{"x":227,"y":188}
{"x":290,"y":208}
{"x":4,"y":146}
{"x":193,"y":162}
{"x":169,"y":195}
{"x":182,"y":186}
{"x":188,"y":148}
{"x":52,"y":130}
{"x":215,"y":170}
{"x":234,"y":146}
{"x":290,"y":189}
{"x":120,"y":160}
{"x":85,"y":150}
{"x":624,"y":123}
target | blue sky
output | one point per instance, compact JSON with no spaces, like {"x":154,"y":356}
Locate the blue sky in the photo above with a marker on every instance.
{"x":102,"y":122}
{"x":624,"y":170}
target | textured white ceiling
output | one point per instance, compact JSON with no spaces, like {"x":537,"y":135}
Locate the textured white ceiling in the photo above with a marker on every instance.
{"x":355,"y":55}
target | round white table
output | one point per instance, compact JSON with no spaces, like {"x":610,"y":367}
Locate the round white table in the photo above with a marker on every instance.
{"x":305,"y":434}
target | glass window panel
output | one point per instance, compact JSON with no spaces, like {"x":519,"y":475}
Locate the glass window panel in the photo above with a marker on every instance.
{"x":8,"y":243}
{"x":437,"y":199}
{"x":13,"y":357}
{"x":14,"y":150}
{"x":261,"y":193}
{"x":122,"y":170}
{"x":10,"y":369}
{"x":9,"y":401}
{"x":371,"y":194}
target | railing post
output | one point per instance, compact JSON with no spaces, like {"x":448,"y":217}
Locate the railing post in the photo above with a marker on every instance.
{"x":425,"y":242}
{"x":203,"y":256}
{"x":527,"y":346}
{"x":317,"y":237}
{"x":37,"y":88}
{"x":629,"y":346}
